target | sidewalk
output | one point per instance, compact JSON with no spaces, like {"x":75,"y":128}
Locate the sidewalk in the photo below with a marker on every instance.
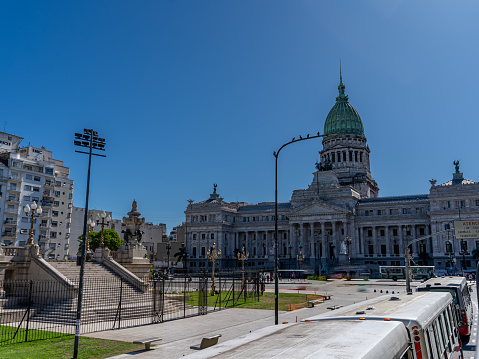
{"x":178,"y":335}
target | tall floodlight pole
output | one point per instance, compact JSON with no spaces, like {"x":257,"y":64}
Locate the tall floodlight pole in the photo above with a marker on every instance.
{"x":88,"y":139}
{"x":407,"y":258}
{"x":276,"y":154}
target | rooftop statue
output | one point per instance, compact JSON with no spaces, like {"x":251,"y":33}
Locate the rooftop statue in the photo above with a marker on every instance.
{"x":327,"y":166}
{"x":456,"y":163}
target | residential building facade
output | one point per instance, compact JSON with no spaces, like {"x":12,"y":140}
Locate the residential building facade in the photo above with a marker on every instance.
{"x":30,"y":174}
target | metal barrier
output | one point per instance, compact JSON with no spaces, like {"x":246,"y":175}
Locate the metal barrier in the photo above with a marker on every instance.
{"x":33,"y":310}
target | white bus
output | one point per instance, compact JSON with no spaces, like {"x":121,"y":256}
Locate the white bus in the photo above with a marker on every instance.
{"x":345,"y":339}
{"x":399,"y":272}
{"x":429,"y":318}
{"x":418,"y":326}
{"x":461,"y":293}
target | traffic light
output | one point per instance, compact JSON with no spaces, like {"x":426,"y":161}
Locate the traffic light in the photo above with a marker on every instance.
{"x":448,"y":247}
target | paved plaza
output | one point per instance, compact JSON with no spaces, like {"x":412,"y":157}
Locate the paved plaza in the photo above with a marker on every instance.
{"x":178,"y":335}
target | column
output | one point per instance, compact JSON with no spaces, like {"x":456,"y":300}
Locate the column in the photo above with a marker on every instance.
{"x":402,"y":245}
{"x":310,"y":252}
{"x":375,"y":241}
{"x":388,"y":244}
{"x":323,"y":240}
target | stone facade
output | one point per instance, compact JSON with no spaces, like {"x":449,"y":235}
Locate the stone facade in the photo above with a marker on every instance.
{"x":339,"y":221}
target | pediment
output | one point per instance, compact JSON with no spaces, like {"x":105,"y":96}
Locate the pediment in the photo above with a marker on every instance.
{"x":318,"y":208}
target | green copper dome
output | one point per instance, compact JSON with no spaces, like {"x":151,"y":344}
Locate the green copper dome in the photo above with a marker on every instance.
{"x":343,"y":118}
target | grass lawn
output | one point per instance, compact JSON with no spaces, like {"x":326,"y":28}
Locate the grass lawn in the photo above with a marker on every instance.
{"x":62,"y":348}
{"x":286,"y":301}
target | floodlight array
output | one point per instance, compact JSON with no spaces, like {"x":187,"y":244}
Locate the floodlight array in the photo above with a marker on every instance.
{"x":89,"y":136}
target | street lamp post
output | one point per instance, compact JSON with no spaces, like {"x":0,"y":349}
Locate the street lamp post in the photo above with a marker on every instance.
{"x":90,"y":227}
{"x":90,"y":140}
{"x":243,"y":257}
{"x":33,"y":209}
{"x":276,"y":282}
{"x":290,"y":246}
{"x":407,"y":258}
{"x":347,"y":240}
{"x":213,"y":255}
{"x":168,"y":247}
{"x":103,"y":224}
{"x":300,"y":257}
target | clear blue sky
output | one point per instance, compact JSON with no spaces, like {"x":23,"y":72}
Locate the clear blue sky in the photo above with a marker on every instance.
{"x":191,"y":93}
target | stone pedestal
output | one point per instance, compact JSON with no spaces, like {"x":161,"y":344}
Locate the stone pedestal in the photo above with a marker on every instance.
{"x":21,"y":261}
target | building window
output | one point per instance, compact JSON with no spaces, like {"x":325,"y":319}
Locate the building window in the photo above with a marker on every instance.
{"x":383,"y":232}
{"x":370,"y":232}
{"x":459,"y":204}
{"x":421,"y":231}
{"x":395,"y":232}
{"x":56,"y":203}
{"x":383,"y":249}
{"x":29,"y":177}
{"x":194,"y":236}
{"x":27,"y":187}
{"x":194,"y":252}
{"x":396,"y":248}
{"x":36,"y":178}
{"x":212,"y":236}
{"x":36,"y":189}
{"x":203,"y":236}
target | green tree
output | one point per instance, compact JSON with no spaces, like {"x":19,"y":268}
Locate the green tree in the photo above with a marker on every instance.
{"x":111,"y":239}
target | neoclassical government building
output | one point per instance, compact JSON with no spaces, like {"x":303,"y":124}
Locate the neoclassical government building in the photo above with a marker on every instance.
{"x":339,"y":222}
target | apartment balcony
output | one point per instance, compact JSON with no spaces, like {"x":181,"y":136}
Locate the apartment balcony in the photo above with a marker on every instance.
{"x":44,"y":226}
{"x":14,"y":189}
{"x":3,"y":178}
{"x":11,"y":211}
{"x":10,"y":223}
{"x":12,"y":200}
{"x":49,"y":184}
{"x":46,"y":204}
{"x":45,"y":214}
{"x":43,"y":238}
{"x":8,"y":234}
{"x":15,"y":179}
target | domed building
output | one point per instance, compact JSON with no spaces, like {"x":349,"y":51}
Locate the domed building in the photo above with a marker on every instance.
{"x":346,"y":149}
{"x":339,"y":223}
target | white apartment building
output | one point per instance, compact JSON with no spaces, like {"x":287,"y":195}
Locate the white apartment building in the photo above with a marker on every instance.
{"x":30,"y":174}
